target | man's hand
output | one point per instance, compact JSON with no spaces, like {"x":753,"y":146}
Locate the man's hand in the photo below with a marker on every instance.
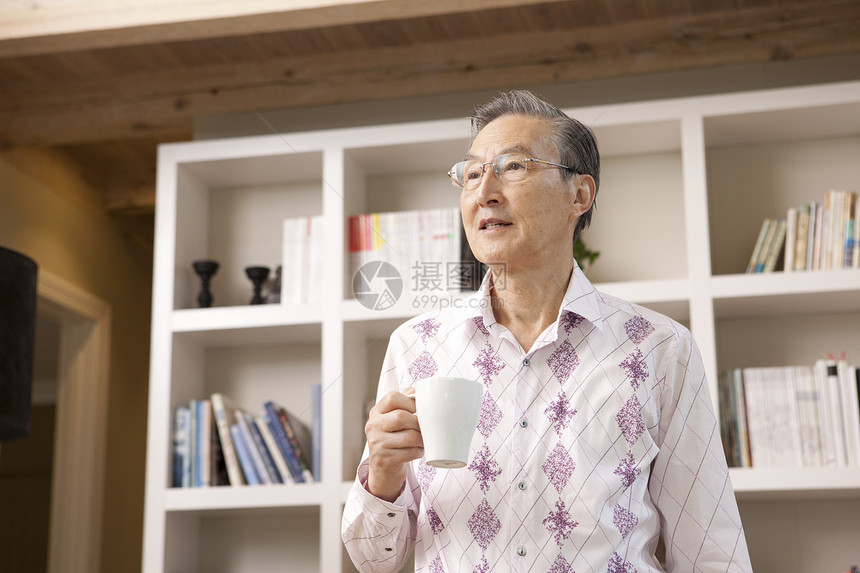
{"x":393,"y":439}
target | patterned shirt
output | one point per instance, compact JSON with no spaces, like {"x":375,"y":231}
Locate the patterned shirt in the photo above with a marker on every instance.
{"x":587,"y":446}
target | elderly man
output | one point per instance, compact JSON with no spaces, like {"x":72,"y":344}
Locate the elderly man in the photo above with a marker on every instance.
{"x":596,"y":436}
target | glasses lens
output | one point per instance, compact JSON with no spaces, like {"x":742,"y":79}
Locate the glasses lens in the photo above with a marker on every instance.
{"x":509,"y":167}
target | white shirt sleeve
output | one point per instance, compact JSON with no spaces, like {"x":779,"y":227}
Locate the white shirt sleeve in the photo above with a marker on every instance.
{"x":690,"y":483}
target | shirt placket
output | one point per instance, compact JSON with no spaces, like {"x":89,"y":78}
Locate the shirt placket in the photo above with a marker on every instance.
{"x":525,"y":494}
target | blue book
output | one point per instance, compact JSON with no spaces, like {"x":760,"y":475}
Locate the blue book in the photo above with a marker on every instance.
{"x":192,"y":445}
{"x":280,"y":433}
{"x":181,"y":460}
{"x":268,"y":461}
{"x":244,"y":455}
{"x":316,"y":432}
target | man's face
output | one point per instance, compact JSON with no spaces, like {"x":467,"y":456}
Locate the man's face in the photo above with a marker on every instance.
{"x":525,"y":224}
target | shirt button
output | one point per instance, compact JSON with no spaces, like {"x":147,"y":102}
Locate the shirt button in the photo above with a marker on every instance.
{"x":522,"y":485}
{"x":521,"y":551}
{"x":523,"y":423}
{"x":526,"y":362}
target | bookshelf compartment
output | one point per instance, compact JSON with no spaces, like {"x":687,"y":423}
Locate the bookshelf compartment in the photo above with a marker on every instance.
{"x":645,"y":196}
{"x":789,"y":340}
{"x":801,"y":536}
{"x":795,"y":158}
{"x":239,"y":222}
{"x":233,"y":541}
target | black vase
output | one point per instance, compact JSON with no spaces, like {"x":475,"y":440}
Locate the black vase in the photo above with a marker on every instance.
{"x":258,"y":276}
{"x":205,"y":270}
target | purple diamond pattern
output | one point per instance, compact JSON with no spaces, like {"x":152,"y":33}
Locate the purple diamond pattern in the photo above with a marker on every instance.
{"x":425,"y":475}
{"x":563,"y":361}
{"x":560,"y":523}
{"x":638,"y":329}
{"x":426,"y":328}
{"x":618,"y":565}
{"x":637,"y":369}
{"x":560,"y":413}
{"x":560,"y":565}
{"x":627,"y":471}
{"x":490,"y":416}
{"x":485,"y":468}
{"x":436,"y":566}
{"x":423,"y":367}
{"x":436,"y":525}
{"x":630,"y":420}
{"x":558,"y":467}
{"x":488,"y":364}
{"x":624,"y":520}
{"x":479,"y":324}
{"x":483,"y":566}
{"x":484,"y":524}
{"x":570,"y":320}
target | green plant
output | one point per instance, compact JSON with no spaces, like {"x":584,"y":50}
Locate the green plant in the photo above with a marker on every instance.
{"x":583,"y":255}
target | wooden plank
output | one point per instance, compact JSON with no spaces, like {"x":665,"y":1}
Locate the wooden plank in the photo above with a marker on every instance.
{"x":30,"y":28}
{"x":140,"y":104}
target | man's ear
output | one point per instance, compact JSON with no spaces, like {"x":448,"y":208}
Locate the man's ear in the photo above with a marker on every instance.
{"x":584,"y":191}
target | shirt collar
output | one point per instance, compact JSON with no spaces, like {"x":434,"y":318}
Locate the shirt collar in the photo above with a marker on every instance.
{"x":580,"y":298}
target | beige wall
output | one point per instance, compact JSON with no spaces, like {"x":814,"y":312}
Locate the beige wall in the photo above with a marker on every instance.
{"x":48,"y":213}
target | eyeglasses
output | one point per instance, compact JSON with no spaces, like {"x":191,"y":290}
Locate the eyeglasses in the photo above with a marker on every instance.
{"x":508,"y":168}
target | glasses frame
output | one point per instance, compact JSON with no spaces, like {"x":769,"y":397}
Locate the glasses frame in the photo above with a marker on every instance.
{"x":452,"y":173}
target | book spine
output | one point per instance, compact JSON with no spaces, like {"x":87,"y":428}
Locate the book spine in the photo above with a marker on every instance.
{"x":316,"y":432}
{"x":256,"y":456}
{"x":801,"y":246}
{"x":790,"y":239}
{"x":283,"y":441}
{"x":263,"y":450}
{"x":181,"y":427}
{"x":293,"y":427}
{"x":274,"y":450}
{"x":204,"y":443}
{"x":776,"y":247}
{"x":223,"y":422}
{"x":244,"y":455}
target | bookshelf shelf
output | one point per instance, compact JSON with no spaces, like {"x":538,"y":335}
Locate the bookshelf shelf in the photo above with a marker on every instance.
{"x":684,"y":188}
{"x":796,"y":483}
{"x":246,"y":499}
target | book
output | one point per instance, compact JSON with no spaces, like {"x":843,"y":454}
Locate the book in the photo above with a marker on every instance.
{"x":316,"y":432}
{"x":802,"y":239}
{"x":203,"y":443}
{"x":181,"y":447}
{"x":223,"y":410}
{"x":252,"y":450}
{"x":300,"y":437}
{"x":243,"y":452}
{"x":283,"y":441}
{"x":790,"y":239}
{"x":850,"y":410}
{"x":775,"y":247}
{"x":759,"y":245}
{"x":274,"y":450}
{"x":268,"y":463}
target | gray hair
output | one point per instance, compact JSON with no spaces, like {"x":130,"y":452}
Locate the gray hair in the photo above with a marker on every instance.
{"x":575,"y":142}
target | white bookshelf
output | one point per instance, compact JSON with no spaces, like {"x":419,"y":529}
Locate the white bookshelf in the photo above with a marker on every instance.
{"x":685,"y":186}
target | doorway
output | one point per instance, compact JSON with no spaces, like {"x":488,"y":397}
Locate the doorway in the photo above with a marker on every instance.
{"x":57,"y":492}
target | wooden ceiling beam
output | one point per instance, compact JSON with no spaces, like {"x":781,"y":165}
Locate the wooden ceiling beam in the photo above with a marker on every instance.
{"x":155,"y":104}
{"x":29,"y":28}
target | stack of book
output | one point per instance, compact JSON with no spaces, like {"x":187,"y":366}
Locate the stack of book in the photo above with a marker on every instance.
{"x":820,"y":236}
{"x":792,"y":416}
{"x":216,"y":443}
{"x":428,"y":248}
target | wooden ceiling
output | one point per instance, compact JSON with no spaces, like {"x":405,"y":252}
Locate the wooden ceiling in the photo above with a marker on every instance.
{"x":103,"y":99}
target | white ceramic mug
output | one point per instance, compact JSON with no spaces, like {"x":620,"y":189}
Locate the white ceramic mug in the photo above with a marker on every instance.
{"x":448,"y":410}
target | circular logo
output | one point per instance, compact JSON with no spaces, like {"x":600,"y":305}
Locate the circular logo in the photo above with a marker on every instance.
{"x":377,"y":285}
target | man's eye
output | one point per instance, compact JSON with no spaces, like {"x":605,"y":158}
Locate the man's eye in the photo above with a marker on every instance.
{"x":472,"y":172}
{"x":513,"y":166}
